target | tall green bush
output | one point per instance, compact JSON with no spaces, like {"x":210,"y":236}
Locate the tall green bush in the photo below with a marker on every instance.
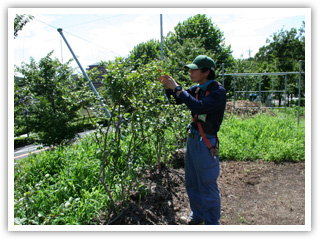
{"x":51,"y":99}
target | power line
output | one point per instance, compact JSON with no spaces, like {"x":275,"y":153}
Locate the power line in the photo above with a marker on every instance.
{"x":45,"y":23}
{"x":178,"y":38}
{"x":92,"y":21}
{"x":114,"y":53}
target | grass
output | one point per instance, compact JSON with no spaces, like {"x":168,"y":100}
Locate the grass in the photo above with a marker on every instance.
{"x":263,"y":137}
{"x":61,"y":186}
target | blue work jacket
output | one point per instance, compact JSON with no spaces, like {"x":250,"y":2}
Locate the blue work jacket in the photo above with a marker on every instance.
{"x":211,"y":107}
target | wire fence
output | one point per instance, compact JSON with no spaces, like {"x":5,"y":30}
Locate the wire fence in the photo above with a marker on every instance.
{"x":250,"y":89}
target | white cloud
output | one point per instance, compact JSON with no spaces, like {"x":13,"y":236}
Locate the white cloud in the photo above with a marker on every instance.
{"x":247,"y":29}
{"x":122,"y":38}
{"x":116,"y":36}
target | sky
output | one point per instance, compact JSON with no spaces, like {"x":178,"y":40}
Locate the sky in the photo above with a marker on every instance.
{"x":102,"y":34}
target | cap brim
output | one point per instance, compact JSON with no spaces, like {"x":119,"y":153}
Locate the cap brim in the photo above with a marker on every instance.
{"x":192,"y":66}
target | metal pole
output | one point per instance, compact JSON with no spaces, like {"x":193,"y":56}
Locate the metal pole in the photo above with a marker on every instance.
{"x":223,"y":74}
{"x":161,"y":33}
{"x":84,"y":73}
{"x":272,"y":94}
{"x":234,"y":93}
{"x":285,"y":93}
{"x":246,"y":95}
{"x":300,"y":62}
{"x":163,"y":90}
{"x":260,"y":98}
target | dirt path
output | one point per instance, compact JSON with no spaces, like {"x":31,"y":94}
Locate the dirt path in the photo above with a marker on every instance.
{"x":262,"y":193}
{"x":256,"y":193}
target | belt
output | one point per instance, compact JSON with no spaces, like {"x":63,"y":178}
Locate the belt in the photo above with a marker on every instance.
{"x":198,"y":136}
{"x":214,"y":150}
{"x":193,"y":133}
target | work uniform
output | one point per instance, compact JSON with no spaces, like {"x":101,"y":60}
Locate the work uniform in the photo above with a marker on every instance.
{"x":201,"y":168}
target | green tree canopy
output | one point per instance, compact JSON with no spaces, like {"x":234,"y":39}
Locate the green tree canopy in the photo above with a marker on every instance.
{"x":146,"y":52}
{"x":201,"y":29}
{"x":282,"y":54}
{"x":197,"y":35}
{"x":20,"y":21}
{"x":51,"y":96}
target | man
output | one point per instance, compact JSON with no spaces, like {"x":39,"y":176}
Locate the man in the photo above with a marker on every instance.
{"x":207,"y":101}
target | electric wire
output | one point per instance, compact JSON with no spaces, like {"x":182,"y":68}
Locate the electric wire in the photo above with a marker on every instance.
{"x":167,"y":17}
{"x":114,"y":53}
{"x":100,"y":19}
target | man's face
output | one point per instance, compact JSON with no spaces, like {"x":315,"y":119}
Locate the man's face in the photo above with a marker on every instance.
{"x":198,"y":76}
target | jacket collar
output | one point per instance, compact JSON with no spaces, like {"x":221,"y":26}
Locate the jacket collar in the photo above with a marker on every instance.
{"x":205,"y":85}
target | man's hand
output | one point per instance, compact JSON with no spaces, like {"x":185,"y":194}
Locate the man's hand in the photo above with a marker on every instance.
{"x":168,"y":82}
{"x":163,"y":79}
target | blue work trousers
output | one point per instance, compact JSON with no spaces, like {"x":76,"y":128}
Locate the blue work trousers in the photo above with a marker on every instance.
{"x":201,"y":173}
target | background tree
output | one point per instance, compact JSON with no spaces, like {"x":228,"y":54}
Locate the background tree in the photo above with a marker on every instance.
{"x":282,"y":54}
{"x":181,"y":54}
{"x":20,"y":21}
{"x":212,"y":39}
{"x":145,"y":52}
{"x":197,"y":35}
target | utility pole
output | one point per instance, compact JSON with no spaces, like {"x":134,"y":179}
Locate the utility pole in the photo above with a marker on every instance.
{"x":161,"y":35}
{"x":249,"y":52}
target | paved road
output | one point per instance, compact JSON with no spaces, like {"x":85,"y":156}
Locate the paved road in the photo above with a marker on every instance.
{"x":25,"y":151}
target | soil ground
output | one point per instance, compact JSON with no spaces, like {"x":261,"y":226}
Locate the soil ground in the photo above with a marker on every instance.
{"x":252,"y":193}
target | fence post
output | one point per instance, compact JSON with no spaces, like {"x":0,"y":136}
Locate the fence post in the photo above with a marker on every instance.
{"x":272,"y":99}
{"x":234,"y":93}
{"x":300,"y":62}
{"x":223,"y":74}
{"x":246,"y":95}
{"x":285,"y":93}
{"x":260,"y":98}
